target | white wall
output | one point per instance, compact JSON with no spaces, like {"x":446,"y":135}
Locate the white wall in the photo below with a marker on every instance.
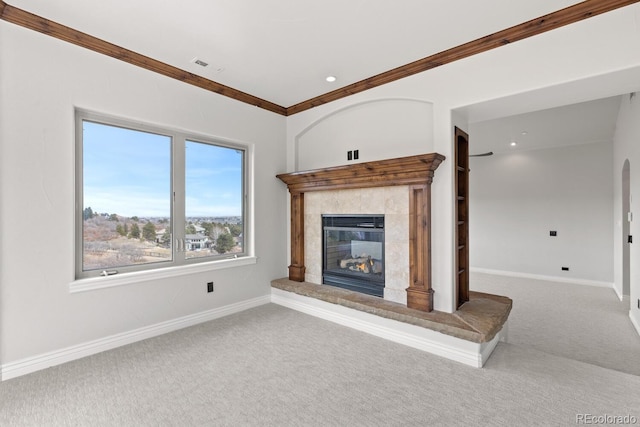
{"x":581,"y":51}
{"x":517,"y":198}
{"x":368,"y":128}
{"x":627,"y":147}
{"x":42,"y":79}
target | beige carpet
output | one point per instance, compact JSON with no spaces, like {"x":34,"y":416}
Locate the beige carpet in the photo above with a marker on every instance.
{"x":271,"y":366}
{"x":585,"y":323}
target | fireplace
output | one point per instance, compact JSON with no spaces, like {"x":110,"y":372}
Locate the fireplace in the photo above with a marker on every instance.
{"x":353,"y":252}
{"x":414,"y":174}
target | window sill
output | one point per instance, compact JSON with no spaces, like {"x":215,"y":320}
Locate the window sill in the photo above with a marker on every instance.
{"x":93,"y":283}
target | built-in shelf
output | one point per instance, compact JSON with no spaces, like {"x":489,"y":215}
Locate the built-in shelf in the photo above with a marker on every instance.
{"x":461,"y":152}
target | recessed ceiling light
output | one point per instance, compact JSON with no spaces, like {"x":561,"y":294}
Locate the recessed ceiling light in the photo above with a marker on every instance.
{"x":524,"y":132}
{"x":331,"y":79}
{"x":513,"y":143}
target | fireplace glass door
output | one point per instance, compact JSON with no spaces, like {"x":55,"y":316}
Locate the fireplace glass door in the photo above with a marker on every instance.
{"x":353,"y":257}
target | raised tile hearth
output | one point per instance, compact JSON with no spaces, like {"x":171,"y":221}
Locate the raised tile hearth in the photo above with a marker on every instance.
{"x":468,"y":335}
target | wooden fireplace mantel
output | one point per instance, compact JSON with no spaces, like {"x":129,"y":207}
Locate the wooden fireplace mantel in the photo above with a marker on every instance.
{"x":416,"y":172}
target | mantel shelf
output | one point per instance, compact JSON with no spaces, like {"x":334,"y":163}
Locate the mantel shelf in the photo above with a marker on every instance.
{"x":412,"y":170}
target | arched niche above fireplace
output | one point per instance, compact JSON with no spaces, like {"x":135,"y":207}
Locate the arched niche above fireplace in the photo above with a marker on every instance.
{"x":415,"y":172}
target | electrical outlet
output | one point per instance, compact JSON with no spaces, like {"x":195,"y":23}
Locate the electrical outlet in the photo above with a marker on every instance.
{"x":553,"y":233}
{"x":209,"y":286}
{"x":356,"y":154}
{"x":349,"y":155}
{"x":565,"y":268}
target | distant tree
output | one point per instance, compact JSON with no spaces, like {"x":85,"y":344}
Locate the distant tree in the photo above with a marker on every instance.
{"x":135,"y":231}
{"x":208,"y":227}
{"x":113,"y":217}
{"x":87,"y":213}
{"x":225,"y":243}
{"x":120,"y":230}
{"x":149,"y":232}
{"x":135,"y":218}
{"x":191,"y":229}
{"x":235,"y":229}
{"x":166,"y":237}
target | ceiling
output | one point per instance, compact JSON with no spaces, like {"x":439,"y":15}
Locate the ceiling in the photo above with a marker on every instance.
{"x":583,"y":123}
{"x":282,"y":51}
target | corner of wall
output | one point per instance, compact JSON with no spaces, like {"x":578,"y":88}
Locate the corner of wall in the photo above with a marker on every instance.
{"x":634,"y":315}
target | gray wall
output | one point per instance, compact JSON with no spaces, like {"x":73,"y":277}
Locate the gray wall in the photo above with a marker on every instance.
{"x":516,"y":199}
{"x":627,"y":147}
{"x":42,"y":80}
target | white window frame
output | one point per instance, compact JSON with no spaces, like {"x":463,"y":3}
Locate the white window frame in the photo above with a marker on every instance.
{"x":179,"y":265}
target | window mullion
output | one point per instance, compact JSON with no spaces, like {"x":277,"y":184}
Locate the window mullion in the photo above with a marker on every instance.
{"x":178,"y":200}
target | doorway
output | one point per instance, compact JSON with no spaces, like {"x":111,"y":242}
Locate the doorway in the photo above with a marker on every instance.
{"x":626,"y":229}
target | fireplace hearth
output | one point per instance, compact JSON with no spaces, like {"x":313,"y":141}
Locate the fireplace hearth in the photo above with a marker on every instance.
{"x":353,"y":253}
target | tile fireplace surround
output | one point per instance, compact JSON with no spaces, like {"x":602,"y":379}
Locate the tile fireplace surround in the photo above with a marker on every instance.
{"x":392,"y":202}
{"x":398,"y":188}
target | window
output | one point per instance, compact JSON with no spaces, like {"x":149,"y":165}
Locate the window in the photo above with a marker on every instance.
{"x":149,"y":197}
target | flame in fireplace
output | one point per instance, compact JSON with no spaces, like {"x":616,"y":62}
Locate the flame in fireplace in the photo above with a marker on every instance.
{"x":365,"y":266}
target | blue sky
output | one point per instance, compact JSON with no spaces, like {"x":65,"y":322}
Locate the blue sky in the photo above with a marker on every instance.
{"x":128,"y":172}
{"x":213,"y":180}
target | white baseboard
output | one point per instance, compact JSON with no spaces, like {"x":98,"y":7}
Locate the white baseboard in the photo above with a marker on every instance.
{"x":618,"y":293}
{"x":634,"y":321}
{"x":459,"y":350}
{"x":57,"y":357}
{"x":541,"y":277}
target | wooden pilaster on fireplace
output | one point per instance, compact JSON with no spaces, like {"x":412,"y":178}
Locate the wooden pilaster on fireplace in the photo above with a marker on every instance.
{"x":419,"y":292}
{"x":297,"y":268}
{"x":414,"y":171}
